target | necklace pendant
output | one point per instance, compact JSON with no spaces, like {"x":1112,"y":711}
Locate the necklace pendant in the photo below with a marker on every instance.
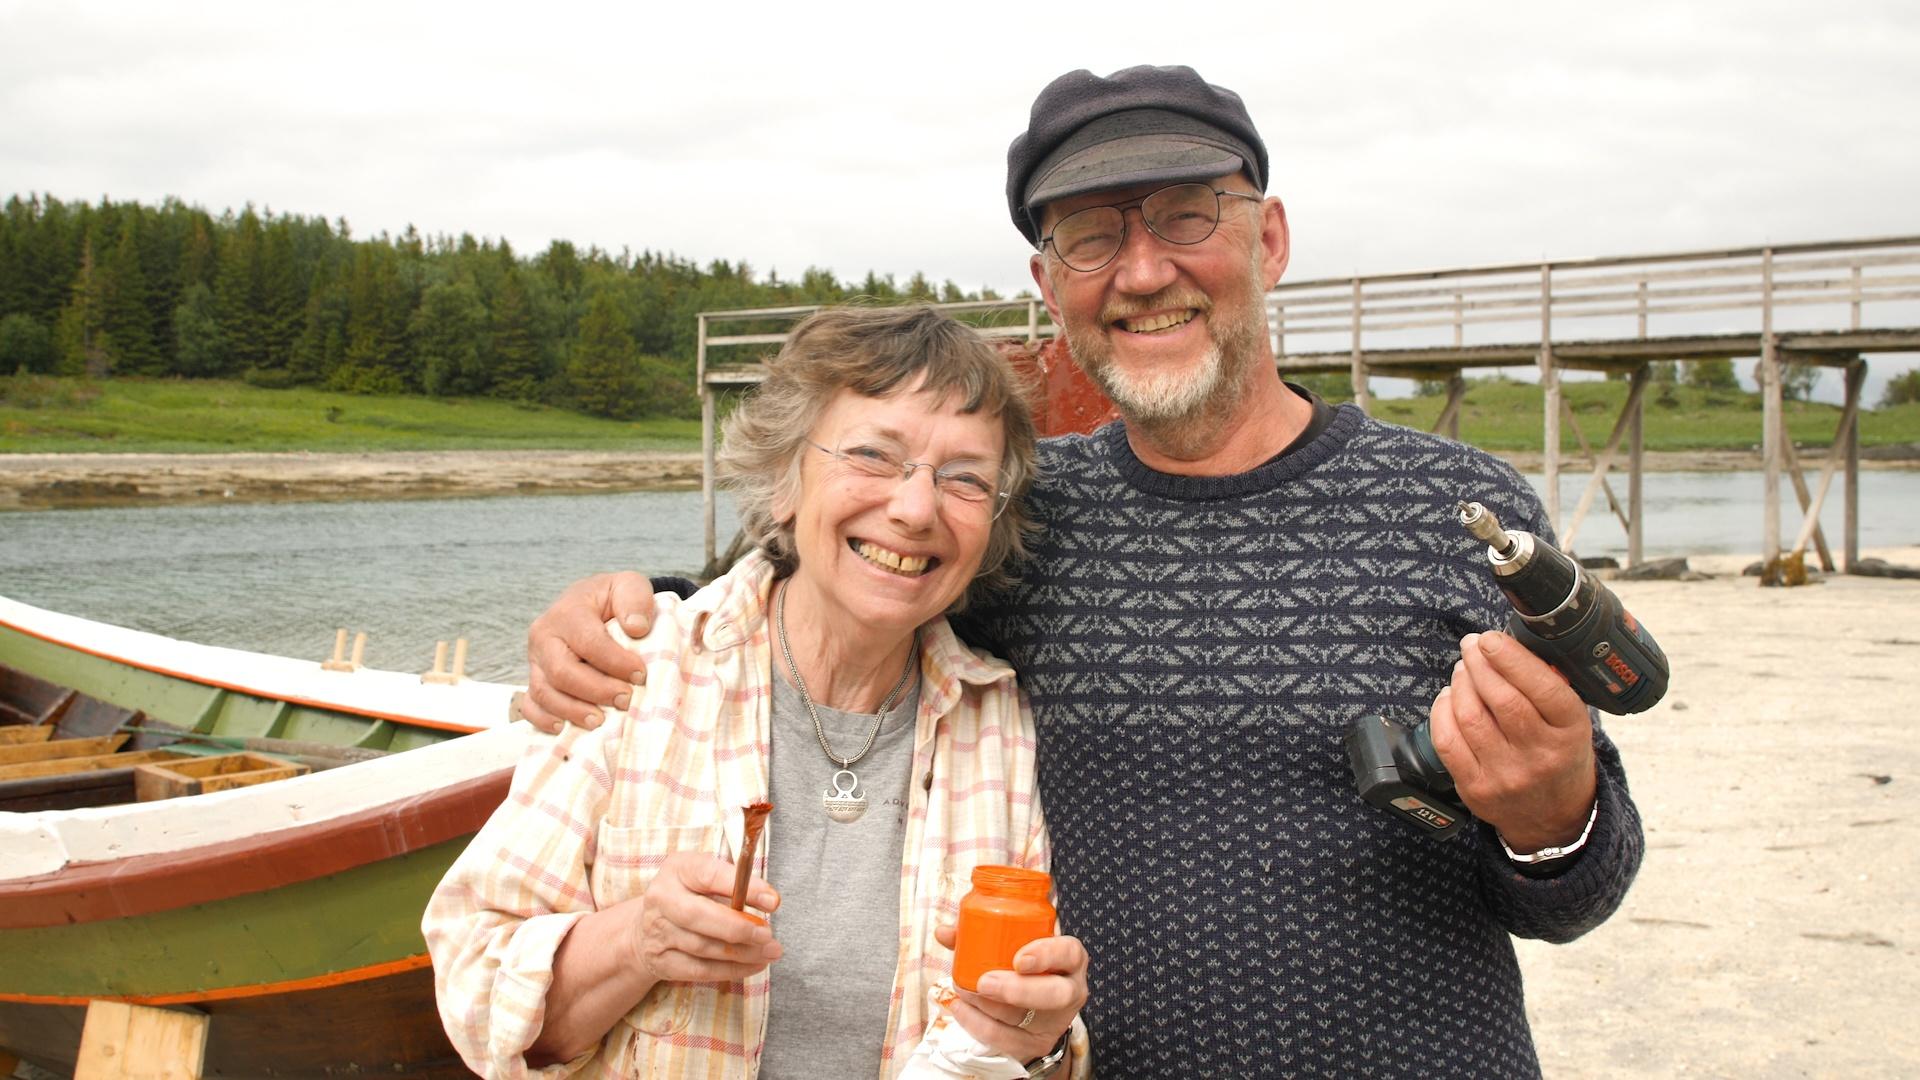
{"x":844,"y":803}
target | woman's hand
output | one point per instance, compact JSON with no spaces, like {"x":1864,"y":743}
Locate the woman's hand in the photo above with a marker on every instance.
{"x":686,"y":931}
{"x":681,"y":929}
{"x":1049,"y":977}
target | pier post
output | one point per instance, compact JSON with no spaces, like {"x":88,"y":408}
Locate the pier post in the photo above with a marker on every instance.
{"x":1359,"y":371}
{"x":706,"y":441}
{"x":1636,"y":447}
{"x":1550,"y":387}
{"x":1772,"y":422}
{"x":1850,"y":543}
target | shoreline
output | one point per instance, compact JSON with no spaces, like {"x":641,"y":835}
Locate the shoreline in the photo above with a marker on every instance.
{"x":49,"y":481}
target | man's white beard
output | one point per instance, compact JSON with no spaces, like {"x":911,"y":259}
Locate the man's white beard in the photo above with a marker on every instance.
{"x":1170,"y":401}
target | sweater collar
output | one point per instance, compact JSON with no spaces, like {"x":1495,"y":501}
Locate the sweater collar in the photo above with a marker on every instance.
{"x":1295,"y":463}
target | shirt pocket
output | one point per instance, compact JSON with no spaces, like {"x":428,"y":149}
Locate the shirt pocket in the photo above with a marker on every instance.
{"x":625,"y":862}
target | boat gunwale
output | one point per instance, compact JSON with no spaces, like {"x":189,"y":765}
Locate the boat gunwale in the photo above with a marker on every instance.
{"x":165,"y":880}
{"x":12,"y":622}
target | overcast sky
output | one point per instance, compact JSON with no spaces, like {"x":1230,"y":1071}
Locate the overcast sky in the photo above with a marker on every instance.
{"x":853,"y":137}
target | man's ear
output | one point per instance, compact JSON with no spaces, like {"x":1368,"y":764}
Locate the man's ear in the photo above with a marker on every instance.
{"x":1038,"y":265}
{"x":1275,"y":240}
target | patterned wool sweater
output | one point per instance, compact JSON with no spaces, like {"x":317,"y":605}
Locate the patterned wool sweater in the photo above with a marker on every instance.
{"x":1196,"y":649}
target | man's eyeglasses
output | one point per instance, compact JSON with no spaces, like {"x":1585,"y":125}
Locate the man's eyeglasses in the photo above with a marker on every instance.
{"x":971,"y":484}
{"x":1183,"y":214}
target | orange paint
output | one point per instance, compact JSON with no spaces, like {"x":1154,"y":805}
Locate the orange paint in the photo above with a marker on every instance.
{"x":1006,"y":909}
{"x":229,"y":993}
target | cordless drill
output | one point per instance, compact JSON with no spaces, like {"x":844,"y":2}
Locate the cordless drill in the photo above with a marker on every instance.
{"x":1564,"y":616}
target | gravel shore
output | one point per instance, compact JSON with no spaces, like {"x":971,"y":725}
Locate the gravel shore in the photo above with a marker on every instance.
{"x":48,"y":481}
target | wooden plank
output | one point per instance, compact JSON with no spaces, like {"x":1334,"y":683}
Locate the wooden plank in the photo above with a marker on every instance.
{"x":139,"y":1042}
{"x":1800,"y":492}
{"x":15,"y":734}
{"x":60,"y":748}
{"x":63,"y":766}
{"x":197,"y":776}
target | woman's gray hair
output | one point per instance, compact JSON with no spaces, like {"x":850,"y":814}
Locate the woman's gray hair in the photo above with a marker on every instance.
{"x":878,"y":352}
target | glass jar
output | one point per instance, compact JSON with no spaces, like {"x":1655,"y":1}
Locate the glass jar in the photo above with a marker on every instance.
{"x":1006,"y":908}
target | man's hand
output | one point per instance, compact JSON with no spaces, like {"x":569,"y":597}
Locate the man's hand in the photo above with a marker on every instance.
{"x":574,"y":668}
{"x":1518,"y":742}
{"x":1049,"y":977}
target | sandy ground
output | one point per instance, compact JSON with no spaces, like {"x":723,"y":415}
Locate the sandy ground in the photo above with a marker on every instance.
{"x":1775,"y":927}
{"x":45,"y":481}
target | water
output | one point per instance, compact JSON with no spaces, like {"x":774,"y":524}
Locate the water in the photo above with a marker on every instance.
{"x":279,"y":577}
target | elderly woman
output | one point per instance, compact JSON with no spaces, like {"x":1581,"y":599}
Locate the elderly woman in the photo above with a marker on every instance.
{"x":879,"y":470}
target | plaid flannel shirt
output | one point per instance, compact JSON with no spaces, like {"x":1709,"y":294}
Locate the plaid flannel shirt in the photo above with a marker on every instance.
{"x":592,"y":814}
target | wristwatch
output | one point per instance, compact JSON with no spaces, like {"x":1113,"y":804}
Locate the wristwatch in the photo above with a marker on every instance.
{"x":1538,"y":862}
{"x":1050,"y":1064}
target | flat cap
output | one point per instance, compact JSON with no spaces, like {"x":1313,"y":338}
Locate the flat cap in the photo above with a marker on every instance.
{"x":1136,"y":126}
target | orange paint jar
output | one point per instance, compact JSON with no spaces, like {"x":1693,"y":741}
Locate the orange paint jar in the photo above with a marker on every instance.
{"x":1006,"y":908}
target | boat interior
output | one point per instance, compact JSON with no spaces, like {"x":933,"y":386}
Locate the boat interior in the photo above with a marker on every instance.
{"x":61,"y":749}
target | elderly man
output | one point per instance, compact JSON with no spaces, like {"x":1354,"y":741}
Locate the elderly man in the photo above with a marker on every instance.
{"x":1222,"y":584}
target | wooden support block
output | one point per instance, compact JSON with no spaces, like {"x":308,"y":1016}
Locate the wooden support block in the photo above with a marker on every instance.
{"x":139,"y":1042}
{"x":197,"y":776}
{"x":9,"y":1063}
{"x":27,"y":769}
{"x":15,"y":734}
{"x":61,"y":748}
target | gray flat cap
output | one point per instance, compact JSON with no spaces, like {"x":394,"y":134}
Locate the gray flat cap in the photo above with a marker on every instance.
{"x":1141,"y":125}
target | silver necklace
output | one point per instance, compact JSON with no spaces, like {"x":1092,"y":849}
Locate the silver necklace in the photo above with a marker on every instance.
{"x":845,"y":801}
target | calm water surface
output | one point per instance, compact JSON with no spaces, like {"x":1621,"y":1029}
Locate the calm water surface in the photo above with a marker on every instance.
{"x":280,"y":577}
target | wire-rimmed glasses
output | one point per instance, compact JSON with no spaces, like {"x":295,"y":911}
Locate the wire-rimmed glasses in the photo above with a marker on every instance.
{"x":972,"y":484}
{"x":1183,"y":214}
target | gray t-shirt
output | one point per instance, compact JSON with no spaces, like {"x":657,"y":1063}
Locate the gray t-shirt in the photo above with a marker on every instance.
{"x":839,"y":882}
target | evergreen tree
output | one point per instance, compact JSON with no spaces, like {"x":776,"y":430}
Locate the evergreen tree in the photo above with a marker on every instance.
{"x":449,"y":336}
{"x":236,"y":294}
{"x":515,"y":358}
{"x":198,"y":349}
{"x":602,"y":372}
{"x":127,"y":320}
{"x":80,"y":335}
{"x":282,"y":307}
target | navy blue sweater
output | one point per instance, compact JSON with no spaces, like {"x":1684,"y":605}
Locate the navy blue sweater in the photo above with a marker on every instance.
{"x":1196,"y":649}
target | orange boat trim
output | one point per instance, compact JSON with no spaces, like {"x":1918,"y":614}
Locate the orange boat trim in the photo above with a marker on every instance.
{"x":228,"y":993}
{"x":412,"y":721}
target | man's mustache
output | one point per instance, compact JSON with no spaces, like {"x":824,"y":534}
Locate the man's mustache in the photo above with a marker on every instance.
{"x":1171,"y":297}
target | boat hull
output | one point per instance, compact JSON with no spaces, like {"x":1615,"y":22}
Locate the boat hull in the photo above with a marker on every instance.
{"x":386,"y":1024}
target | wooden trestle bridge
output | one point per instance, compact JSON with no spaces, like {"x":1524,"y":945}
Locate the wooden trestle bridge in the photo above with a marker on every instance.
{"x":1826,"y":304}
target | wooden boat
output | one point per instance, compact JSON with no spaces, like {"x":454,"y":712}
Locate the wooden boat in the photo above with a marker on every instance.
{"x":286,"y":911}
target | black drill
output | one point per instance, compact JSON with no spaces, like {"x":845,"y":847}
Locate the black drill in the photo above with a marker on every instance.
{"x":1560,"y":612}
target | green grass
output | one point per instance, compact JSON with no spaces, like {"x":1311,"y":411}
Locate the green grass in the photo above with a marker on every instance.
{"x":122,"y":415}
{"x":1503,"y":415}
{"x":48,"y":414}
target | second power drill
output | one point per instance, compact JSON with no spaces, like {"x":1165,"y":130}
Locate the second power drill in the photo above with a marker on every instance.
{"x":1562,"y":614}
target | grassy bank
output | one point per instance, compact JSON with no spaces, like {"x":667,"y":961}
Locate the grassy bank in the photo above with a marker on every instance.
{"x":46,"y":414}
{"x":1503,"y":415}
{"x":63,"y":415}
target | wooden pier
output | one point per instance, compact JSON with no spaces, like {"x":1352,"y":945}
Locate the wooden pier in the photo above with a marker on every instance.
{"x":1823,"y":304}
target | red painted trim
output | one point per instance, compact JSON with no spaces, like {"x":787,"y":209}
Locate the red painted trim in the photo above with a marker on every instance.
{"x":164,"y":881}
{"x":229,"y":993}
{"x":410,"y":721}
